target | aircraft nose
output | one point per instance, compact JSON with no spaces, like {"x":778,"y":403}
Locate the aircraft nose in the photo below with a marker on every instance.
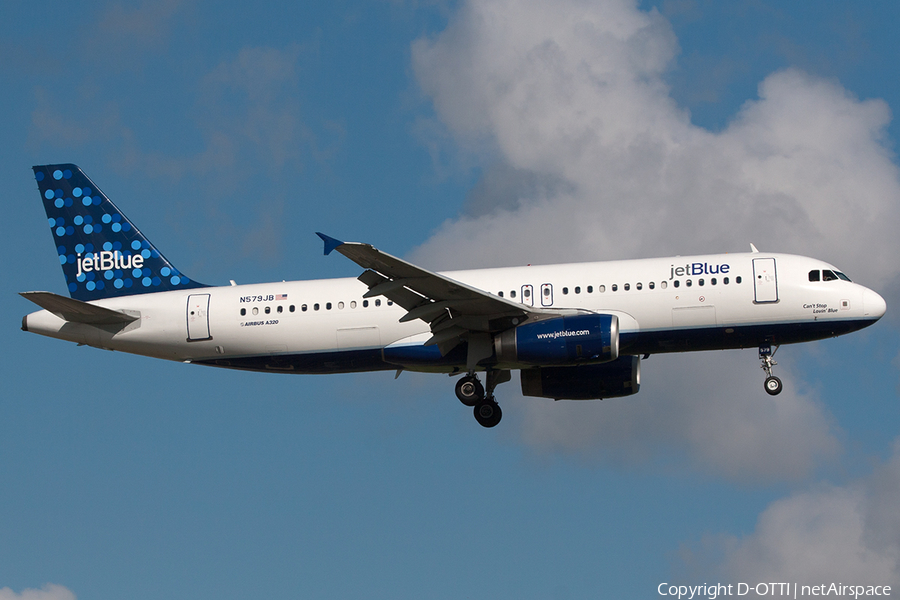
{"x":873,"y":304}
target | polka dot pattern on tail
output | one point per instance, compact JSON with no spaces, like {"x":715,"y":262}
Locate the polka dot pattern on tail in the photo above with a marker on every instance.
{"x":101,"y":253}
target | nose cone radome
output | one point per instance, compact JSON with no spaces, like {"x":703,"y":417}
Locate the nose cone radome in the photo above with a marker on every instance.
{"x":873,"y":304}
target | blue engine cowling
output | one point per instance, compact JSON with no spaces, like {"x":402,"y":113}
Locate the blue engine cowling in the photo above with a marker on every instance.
{"x":621,"y":377}
{"x":571,"y":340}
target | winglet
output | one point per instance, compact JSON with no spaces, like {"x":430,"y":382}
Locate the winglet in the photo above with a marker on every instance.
{"x":330,"y":242}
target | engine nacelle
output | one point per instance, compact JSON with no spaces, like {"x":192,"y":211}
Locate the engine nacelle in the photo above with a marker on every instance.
{"x":572,"y":340}
{"x":621,"y":377}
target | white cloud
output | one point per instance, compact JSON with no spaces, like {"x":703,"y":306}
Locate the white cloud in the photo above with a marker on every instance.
{"x":845,"y":533}
{"x":50,"y":591}
{"x":708,"y":407}
{"x":572,"y":97}
{"x":587,"y":155}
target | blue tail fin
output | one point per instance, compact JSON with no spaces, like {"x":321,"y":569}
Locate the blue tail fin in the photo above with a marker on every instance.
{"x":102,"y":254}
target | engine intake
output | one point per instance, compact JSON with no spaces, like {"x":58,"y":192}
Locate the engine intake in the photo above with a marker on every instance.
{"x":570,"y":340}
{"x":621,"y":377}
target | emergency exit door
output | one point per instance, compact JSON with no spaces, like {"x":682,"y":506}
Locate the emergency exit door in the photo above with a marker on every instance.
{"x":765,"y":283}
{"x":198,"y":317}
{"x":528,"y":295}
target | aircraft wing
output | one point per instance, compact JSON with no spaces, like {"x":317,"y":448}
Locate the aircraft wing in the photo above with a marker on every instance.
{"x":451,"y":308}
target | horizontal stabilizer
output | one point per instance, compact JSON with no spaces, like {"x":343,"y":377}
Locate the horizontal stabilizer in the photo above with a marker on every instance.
{"x":76,"y":311}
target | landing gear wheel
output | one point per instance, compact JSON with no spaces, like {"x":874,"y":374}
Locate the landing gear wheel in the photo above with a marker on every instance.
{"x":469,"y":390}
{"x":773,"y":385}
{"x":488,"y":413}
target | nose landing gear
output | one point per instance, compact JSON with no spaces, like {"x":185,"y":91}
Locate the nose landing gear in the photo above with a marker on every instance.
{"x":773,"y":384}
{"x":471,"y":393}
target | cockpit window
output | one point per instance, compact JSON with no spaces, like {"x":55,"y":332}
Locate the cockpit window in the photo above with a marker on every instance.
{"x":828,"y":275}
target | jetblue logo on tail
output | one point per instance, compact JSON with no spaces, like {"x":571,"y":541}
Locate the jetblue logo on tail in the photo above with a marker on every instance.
{"x":107,"y":261}
{"x":101,"y":252}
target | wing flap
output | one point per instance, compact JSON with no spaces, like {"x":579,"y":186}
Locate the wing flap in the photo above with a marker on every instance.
{"x":396,"y":294}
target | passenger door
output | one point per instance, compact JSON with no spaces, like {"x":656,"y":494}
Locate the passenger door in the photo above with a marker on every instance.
{"x":198,"y":317}
{"x":765,"y":283}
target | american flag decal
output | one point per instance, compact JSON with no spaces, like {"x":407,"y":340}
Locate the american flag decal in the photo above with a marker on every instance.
{"x":281,"y":297}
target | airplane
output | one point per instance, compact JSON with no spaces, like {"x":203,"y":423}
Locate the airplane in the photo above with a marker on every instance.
{"x":574,"y":331}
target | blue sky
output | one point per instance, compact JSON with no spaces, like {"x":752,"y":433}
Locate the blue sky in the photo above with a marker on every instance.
{"x":456,"y":134}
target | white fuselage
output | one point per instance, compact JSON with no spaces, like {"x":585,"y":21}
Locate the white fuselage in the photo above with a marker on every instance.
{"x":319,"y":326}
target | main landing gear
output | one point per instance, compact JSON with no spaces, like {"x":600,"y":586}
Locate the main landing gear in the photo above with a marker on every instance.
{"x":471,"y":393}
{"x":773,"y":384}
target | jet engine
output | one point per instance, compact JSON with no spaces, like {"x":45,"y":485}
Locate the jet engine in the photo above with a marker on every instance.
{"x":621,"y":377}
{"x":569,"y":340}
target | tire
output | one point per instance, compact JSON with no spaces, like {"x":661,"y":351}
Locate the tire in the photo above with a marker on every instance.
{"x":773,"y":386}
{"x":488,"y":413}
{"x":470,"y":391}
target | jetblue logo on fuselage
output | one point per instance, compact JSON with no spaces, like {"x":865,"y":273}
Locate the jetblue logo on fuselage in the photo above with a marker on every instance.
{"x":108,"y":261}
{"x":698,"y":268}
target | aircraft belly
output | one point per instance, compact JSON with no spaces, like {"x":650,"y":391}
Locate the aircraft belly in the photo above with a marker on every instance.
{"x":736,"y":336}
